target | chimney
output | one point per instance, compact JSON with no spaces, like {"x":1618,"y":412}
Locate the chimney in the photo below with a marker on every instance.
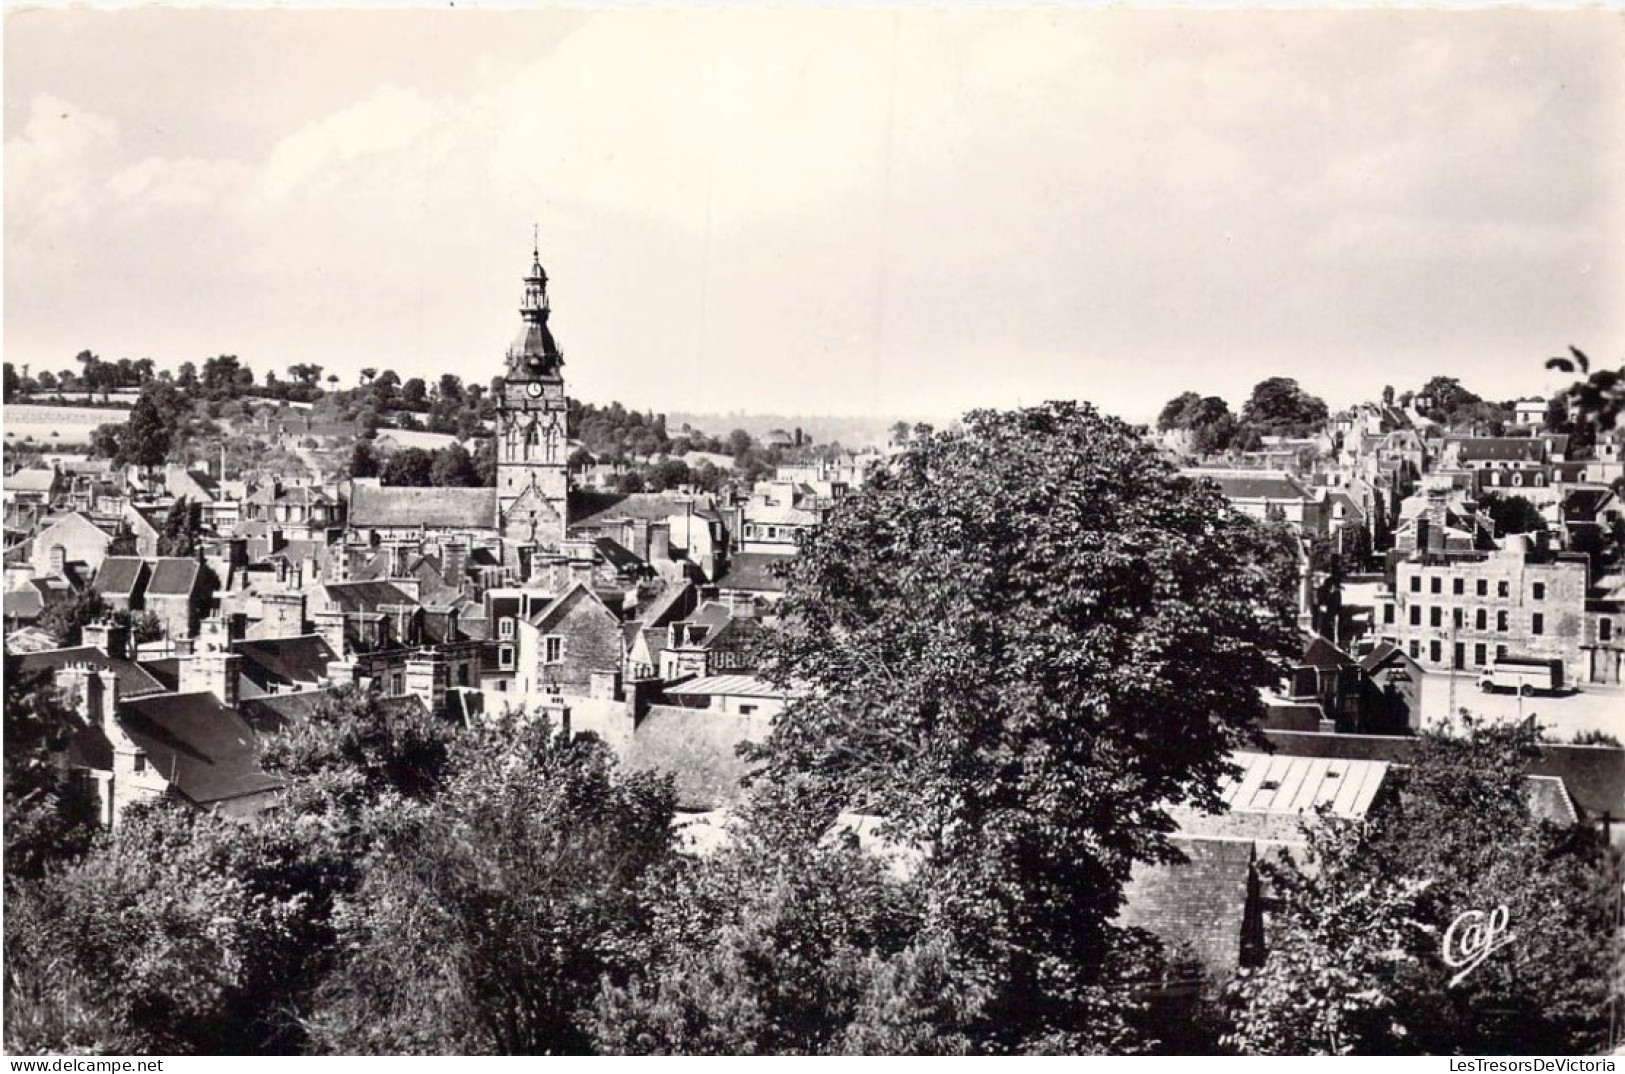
{"x":82,"y":688}
{"x":427,"y":677}
{"x":330,"y":625}
{"x":282,"y":615}
{"x":659,"y":542}
{"x":453,"y":562}
{"x":107,"y":692}
{"x":556,"y":711}
{"x":108,"y":635}
{"x":213,"y":635}
{"x":215,"y":672}
{"x":604,"y":685}
{"x":640,"y":537}
{"x":341,"y":672}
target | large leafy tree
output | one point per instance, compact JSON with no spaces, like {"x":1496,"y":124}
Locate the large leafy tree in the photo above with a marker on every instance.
{"x":1512,"y":514}
{"x":189,"y":934}
{"x":65,"y":619}
{"x":1019,"y":644}
{"x":490,"y":914}
{"x":1279,"y":406}
{"x":48,"y":818}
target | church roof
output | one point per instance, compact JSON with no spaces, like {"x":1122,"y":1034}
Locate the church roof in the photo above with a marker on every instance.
{"x":444,"y":508}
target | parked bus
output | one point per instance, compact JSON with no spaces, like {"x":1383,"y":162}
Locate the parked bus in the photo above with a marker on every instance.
{"x":1525,"y":674}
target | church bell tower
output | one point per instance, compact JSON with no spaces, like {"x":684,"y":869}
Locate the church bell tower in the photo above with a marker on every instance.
{"x":532,"y":447}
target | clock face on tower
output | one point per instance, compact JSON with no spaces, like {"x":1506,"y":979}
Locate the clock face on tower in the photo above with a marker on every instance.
{"x":535,"y":389}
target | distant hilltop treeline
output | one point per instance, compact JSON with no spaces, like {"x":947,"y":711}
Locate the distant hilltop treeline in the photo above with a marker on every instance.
{"x":852,"y":432}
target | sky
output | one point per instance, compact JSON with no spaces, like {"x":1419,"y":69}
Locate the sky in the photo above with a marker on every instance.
{"x":861,"y":211}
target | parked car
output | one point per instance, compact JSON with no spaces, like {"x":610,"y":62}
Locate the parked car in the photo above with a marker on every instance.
{"x":1526,"y":675}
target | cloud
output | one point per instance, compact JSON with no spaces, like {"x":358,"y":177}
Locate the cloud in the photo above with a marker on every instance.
{"x":876,"y":208}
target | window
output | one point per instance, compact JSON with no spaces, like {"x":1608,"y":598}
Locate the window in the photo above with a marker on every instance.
{"x":1478,"y":655}
{"x":1481,"y":621}
{"x":1435,"y":616}
{"x":1416,"y":615}
{"x":1605,"y":630}
{"x":1500,"y":652}
{"x":140,"y":762}
{"x":1416,"y":648}
{"x":1458,"y":586}
{"x":397,"y":683}
{"x":1483,"y":587}
{"x":505,"y":627}
{"x":1501,"y":622}
{"x":1435,"y":654}
{"x":505,"y":658}
{"x":553,"y":649}
{"x":1540,"y":590}
{"x":747,"y":710}
{"x":1537,"y":625}
{"x":1387,"y":613}
{"x":1501,"y":589}
{"x":1436,"y":584}
{"x":1456,"y":618}
{"x":1416,"y":583}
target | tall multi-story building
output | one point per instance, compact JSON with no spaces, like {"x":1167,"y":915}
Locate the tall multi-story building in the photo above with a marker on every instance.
{"x":1463,"y":610}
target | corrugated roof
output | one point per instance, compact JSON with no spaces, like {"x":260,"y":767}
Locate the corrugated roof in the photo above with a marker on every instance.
{"x":1282,"y":784}
{"x":378,"y":507}
{"x":727,"y":686}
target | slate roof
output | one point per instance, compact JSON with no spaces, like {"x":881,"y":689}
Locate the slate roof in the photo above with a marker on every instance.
{"x":133,"y":680}
{"x":752,"y":571}
{"x":700,"y":748}
{"x":1320,"y":653}
{"x":24,"y":603}
{"x":284,"y":661}
{"x":671,"y":604}
{"x":32,"y":480}
{"x":1198,"y":907}
{"x":555,"y":611}
{"x":617,"y":555}
{"x":365,"y":596}
{"x":589,"y":509}
{"x":1496,"y":448}
{"x":172,"y":576}
{"x":1265,"y":485}
{"x":447,"y":508}
{"x":166,"y":670}
{"x":205,"y":750}
{"x":119,"y":576}
{"x":1583,"y":504}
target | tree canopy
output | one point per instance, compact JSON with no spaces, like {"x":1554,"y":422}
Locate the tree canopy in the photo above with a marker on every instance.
{"x":1279,"y":406}
{"x":1019,"y":644}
